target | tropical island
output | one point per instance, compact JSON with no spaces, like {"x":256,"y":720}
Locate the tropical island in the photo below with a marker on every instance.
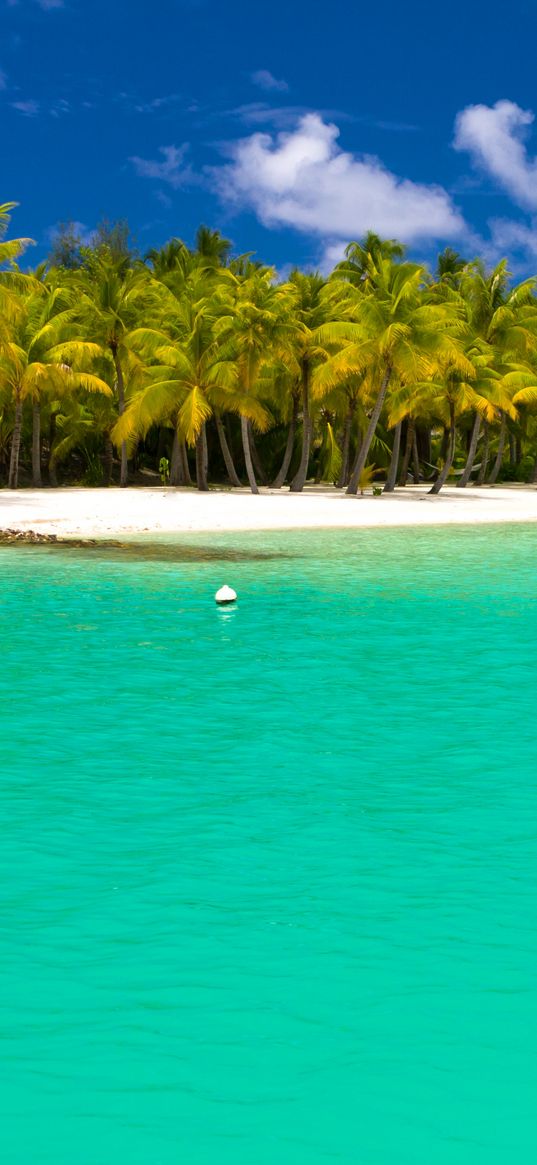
{"x":191,"y":367}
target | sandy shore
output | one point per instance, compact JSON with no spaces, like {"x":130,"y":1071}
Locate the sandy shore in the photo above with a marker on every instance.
{"x":107,"y":513}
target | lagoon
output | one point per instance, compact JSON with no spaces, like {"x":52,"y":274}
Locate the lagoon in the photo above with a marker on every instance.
{"x":268,"y":873}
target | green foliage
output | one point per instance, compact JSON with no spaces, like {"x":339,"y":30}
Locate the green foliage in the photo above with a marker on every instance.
{"x":12,"y":248}
{"x":164,"y":470}
{"x":365,"y":481}
{"x":66,"y":250}
{"x":329,"y":454}
{"x":102,"y":347}
{"x":93,"y":475}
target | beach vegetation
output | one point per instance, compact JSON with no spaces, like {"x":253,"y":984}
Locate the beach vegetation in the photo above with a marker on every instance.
{"x":113,"y":365}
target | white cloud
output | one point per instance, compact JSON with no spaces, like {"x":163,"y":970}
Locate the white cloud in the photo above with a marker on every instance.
{"x":508,"y":236}
{"x":46,"y":5}
{"x":29,"y":108}
{"x":156,"y":103}
{"x":331,"y":255}
{"x":171,"y":169}
{"x":302,"y":179}
{"x":265,"y":80}
{"x":494,"y":138}
{"x":59,"y":108}
{"x":277,"y":116}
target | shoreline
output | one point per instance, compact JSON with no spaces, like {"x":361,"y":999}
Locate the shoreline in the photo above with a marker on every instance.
{"x":93,"y":514}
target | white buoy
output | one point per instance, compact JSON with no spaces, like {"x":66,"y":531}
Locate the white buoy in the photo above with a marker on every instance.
{"x":226,"y":595}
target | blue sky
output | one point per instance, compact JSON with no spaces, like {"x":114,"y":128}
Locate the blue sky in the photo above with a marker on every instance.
{"x":291,"y":126}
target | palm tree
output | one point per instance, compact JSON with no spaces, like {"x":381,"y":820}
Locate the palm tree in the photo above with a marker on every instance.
{"x":12,"y":281}
{"x":211,"y":246}
{"x":458,"y":391}
{"x":396,"y":333}
{"x":167,"y":261}
{"x":506,"y":321}
{"x":10,"y":249}
{"x":277,"y":385}
{"x":450,"y":267}
{"x":412,"y":334}
{"x":191,"y":274}
{"x":522,"y":383}
{"x":363,"y":365}
{"x":112,"y":303}
{"x":83,"y":423}
{"x":254,"y":331}
{"x":187,"y":378}
{"x":313,"y":305}
{"x":43,"y":356}
{"x":463,"y":382}
{"x":361,"y":256}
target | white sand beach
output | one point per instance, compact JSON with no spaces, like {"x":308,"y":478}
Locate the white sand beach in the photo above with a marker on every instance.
{"x":109,"y":513}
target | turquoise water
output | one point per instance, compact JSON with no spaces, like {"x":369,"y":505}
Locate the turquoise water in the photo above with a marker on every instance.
{"x":268,"y":875}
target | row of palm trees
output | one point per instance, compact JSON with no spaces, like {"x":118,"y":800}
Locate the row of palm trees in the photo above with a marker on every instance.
{"x":211,"y":366}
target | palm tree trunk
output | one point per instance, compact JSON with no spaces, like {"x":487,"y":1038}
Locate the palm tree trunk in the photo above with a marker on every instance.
{"x":442,"y":476}
{"x":463,"y":482}
{"x":124,"y":472}
{"x":416,"y":460}
{"x":205,"y":448}
{"x":245,"y":434}
{"x":179,"y":469}
{"x":291,"y":433}
{"x":444,"y":445}
{"x":363,"y":452}
{"x":176,"y":475}
{"x":409,"y":442}
{"x":226,"y":452}
{"x":185,"y":468}
{"x":499,"y":456}
{"x":108,"y":460}
{"x":13,"y":479}
{"x":484,"y":455}
{"x":423,"y":438}
{"x":394,"y":462}
{"x":301,"y":474}
{"x":512,"y":451}
{"x":36,"y":446}
{"x":534,"y":473}
{"x":256,"y":459}
{"x":202,"y":461}
{"x":343,"y":478}
{"x":51,"y":467}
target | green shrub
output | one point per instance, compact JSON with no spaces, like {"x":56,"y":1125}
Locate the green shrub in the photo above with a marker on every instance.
{"x":164,"y":470}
